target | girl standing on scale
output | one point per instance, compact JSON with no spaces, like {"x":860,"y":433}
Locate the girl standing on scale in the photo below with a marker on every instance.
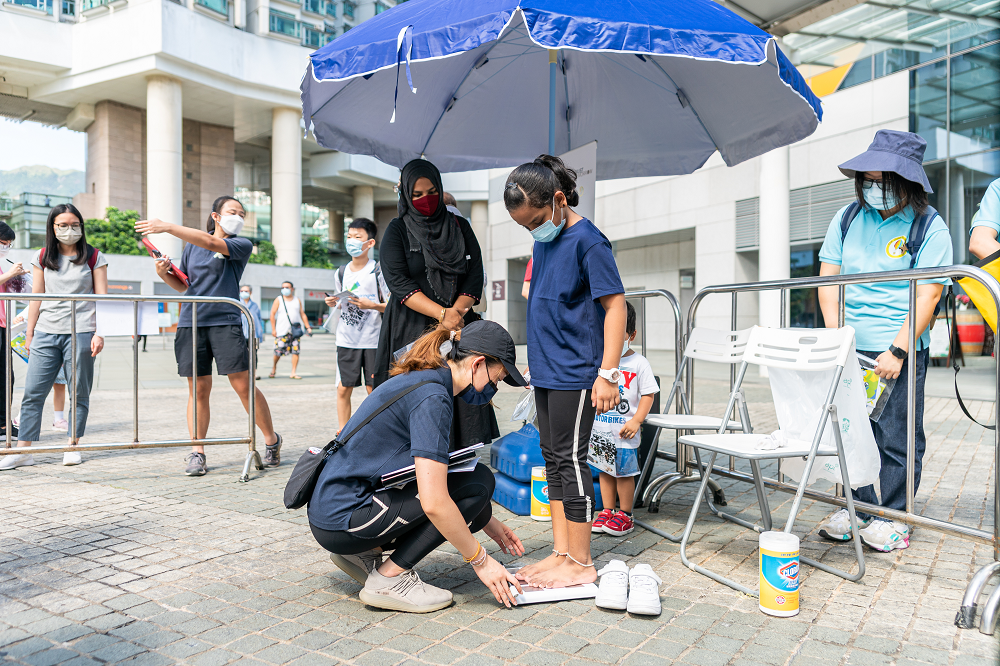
{"x":576,"y":329}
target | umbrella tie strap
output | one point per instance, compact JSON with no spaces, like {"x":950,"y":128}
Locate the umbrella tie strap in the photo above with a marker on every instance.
{"x":404,"y":47}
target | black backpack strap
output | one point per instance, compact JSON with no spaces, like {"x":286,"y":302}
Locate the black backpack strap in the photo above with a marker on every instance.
{"x":950,"y":305}
{"x":337,"y":443}
{"x":845,"y":220}
{"x":340,"y":275}
{"x":918,"y":232}
{"x":378,"y":277}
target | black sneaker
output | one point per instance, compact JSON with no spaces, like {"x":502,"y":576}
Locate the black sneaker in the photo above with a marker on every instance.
{"x":272,"y":453}
{"x":13,"y":432}
{"x":196,"y":464}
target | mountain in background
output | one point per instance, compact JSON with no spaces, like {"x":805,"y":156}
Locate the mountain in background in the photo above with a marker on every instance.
{"x":43,"y":180}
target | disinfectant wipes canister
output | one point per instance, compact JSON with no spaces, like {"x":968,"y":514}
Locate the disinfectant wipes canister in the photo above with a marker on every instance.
{"x":779,"y":574}
{"x":539,"y":495}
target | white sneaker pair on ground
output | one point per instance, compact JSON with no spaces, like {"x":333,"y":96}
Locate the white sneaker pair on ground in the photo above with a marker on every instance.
{"x":26,"y":460}
{"x":635,"y":590}
{"x":876,"y":533}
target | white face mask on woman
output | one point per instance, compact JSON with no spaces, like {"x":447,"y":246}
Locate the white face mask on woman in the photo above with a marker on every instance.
{"x":231,"y":224}
{"x":69,"y":235}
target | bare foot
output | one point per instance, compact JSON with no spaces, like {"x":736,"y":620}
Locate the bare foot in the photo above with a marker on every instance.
{"x":550,"y":562}
{"x":566,"y":574}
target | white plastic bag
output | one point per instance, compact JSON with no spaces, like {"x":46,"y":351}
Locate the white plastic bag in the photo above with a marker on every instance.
{"x":525,"y":409}
{"x":798,"y":399}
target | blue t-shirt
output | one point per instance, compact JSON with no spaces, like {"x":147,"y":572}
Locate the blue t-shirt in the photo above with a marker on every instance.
{"x":565,"y":318}
{"x":214,"y":274}
{"x":877,"y":310}
{"x":988,"y":214}
{"x":416,"y":426}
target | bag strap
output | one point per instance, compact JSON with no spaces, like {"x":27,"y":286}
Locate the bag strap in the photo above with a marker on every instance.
{"x":378,"y":277}
{"x":950,"y":303}
{"x":284,"y":305}
{"x":336,"y":444}
{"x":918,"y":231}
{"x":845,"y":221}
{"x":91,"y":257}
{"x":340,"y":275}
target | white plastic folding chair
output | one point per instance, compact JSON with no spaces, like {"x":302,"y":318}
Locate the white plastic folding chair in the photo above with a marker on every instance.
{"x":703,"y":344}
{"x":810,"y":350}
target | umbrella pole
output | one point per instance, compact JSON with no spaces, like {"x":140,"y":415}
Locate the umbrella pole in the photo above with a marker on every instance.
{"x":553,"y":56}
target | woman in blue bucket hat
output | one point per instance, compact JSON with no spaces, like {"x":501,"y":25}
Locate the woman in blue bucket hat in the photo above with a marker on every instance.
{"x":889,"y":227}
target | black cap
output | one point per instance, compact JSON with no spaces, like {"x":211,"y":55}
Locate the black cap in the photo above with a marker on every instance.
{"x":491,"y":339}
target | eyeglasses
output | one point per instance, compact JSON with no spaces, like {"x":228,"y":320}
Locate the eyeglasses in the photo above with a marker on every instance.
{"x":6,"y":245}
{"x":64,"y":227}
{"x":867,"y":183}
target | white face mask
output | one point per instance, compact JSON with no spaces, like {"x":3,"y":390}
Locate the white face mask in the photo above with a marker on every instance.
{"x":286,"y":291}
{"x":4,"y":251}
{"x":625,"y":346}
{"x":231,"y":224}
{"x":245,"y":295}
{"x":68,"y":236}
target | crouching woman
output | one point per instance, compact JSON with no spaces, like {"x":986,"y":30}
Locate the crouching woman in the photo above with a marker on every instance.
{"x":358,"y":523}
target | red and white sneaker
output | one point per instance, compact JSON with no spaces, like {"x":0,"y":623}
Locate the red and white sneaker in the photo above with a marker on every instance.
{"x":602,"y":518}
{"x":619,"y":524}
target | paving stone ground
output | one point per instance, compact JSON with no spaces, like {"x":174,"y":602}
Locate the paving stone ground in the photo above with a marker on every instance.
{"x":123,"y":559}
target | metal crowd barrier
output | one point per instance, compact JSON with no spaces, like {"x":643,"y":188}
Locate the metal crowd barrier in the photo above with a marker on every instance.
{"x":253,"y":456}
{"x":688,"y":470}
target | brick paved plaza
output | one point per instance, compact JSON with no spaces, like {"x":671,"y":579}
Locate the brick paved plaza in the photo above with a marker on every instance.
{"x":123,"y":559}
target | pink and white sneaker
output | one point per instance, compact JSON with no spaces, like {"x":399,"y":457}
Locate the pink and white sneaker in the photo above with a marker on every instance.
{"x":885,"y":535}
{"x":60,"y":425}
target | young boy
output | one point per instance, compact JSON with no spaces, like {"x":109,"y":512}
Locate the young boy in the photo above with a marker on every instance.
{"x":360,"y":317}
{"x":614,"y":440}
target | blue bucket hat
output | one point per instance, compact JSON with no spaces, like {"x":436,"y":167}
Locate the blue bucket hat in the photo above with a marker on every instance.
{"x":899,"y":152}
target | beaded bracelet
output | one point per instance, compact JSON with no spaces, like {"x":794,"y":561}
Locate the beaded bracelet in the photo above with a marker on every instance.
{"x":481,"y":560}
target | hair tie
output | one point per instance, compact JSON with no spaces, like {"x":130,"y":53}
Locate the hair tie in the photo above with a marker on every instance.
{"x":451,"y":337}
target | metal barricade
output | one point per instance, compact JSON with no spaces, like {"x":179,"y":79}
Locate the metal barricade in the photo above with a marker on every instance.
{"x":253,"y":456}
{"x":967,"y":612}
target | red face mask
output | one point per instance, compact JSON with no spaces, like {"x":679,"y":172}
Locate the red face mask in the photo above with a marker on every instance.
{"x":427,"y":204}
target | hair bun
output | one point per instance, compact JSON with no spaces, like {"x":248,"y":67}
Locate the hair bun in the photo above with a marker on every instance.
{"x":573,"y":198}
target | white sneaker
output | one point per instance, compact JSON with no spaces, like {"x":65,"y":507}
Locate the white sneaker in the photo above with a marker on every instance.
{"x":643,"y":591}
{"x":72,"y":458}
{"x":406,"y":592}
{"x":613,"y":592}
{"x":886,"y":535}
{"x":838,"y":526}
{"x":60,"y":425}
{"x":21,"y":460}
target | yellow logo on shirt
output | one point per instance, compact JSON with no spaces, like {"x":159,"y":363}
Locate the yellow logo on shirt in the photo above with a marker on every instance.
{"x":896,"y":248}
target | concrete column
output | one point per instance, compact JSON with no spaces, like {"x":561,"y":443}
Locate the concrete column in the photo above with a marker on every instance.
{"x":286,"y":186}
{"x":956,"y":213}
{"x":774,"y":258}
{"x":335,"y":228}
{"x":364,"y":202}
{"x":165,"y":194}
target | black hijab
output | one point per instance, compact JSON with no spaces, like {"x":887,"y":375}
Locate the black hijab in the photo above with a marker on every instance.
{"x":437,"y":235}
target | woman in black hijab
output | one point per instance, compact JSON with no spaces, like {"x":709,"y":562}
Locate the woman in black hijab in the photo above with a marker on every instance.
{"x":434,"y":268}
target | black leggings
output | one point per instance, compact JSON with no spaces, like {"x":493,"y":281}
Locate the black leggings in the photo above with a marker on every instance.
{"x":394,"y":519}
{"x":565,"y":419}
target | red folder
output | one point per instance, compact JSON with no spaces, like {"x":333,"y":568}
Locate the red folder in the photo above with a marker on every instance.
{"x":156,"y":254}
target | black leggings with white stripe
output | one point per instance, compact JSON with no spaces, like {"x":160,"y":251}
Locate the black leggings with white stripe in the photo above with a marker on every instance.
{"x":565,"y":419}
{"x":394,"y":519}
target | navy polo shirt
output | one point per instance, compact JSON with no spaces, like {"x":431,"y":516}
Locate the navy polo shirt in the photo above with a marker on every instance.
{"x":416,"y":426}
{"x":565,"y":317}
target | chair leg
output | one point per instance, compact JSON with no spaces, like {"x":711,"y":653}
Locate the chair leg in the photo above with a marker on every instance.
{"x":761,"y":499}
{"x":706,"y":474}
{"x":859,"y":553}
{"x":765,"y":508}
{"x":647,"y":469}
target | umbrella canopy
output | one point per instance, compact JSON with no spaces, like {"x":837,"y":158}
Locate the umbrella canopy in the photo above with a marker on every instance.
{"x":659,"y":85}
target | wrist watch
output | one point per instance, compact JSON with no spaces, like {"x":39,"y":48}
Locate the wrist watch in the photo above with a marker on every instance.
{"x":613,"y":375}
{"x":897,"y":352}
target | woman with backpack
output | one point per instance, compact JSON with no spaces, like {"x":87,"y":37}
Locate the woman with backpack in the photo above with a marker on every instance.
{"x":66,"y":265}
{"x":889,"y":227}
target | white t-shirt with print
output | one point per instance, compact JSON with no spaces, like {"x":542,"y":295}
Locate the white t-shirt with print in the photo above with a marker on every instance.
{"x":357,"y":328}
{"x":637,"y":380}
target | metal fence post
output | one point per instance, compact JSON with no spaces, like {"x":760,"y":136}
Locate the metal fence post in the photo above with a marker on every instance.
{"x":911,"y":399}
{"x":194,"y":372}
{"x":73,"y":396}
{"x":9,"y":375}
{"x":135,"y":371}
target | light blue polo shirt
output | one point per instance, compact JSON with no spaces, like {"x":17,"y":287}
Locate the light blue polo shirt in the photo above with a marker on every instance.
{"x":877,"y":311}
{"x":989,"y":209}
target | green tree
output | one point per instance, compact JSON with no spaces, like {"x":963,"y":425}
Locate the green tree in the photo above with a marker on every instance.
{"x":314,"y":255}
{"x":266,"y":254}
{"x":115,"y":234}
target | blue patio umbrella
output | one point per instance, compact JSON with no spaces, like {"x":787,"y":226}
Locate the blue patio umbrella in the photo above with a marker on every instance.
{"x":468,"y":84}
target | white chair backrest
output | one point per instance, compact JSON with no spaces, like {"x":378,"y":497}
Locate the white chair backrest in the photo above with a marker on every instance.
{"x":706,"y":344}
{"x":799,"y":348}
